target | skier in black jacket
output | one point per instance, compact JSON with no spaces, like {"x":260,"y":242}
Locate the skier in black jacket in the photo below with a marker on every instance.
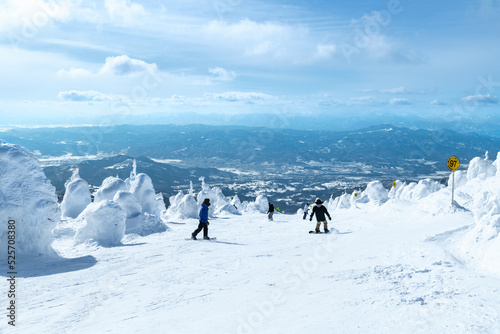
{"x":270,"y":212}
{"x":320,"y":212}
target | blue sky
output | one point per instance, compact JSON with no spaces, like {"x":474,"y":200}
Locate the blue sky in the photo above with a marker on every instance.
{"x":116,"y":61}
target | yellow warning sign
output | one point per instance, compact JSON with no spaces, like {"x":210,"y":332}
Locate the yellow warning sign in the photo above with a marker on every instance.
{"x":453,"y":163}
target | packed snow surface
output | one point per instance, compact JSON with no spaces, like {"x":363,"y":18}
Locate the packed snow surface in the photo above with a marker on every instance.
{"x":382,"y":270}
{"x":402,"y":260}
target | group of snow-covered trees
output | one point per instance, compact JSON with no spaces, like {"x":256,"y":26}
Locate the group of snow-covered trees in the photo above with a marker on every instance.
{"x":132,"y":206}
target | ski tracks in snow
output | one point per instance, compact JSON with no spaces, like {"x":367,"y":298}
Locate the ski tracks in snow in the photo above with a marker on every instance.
{"x":417,"y":285}
{"x":382,"y":272}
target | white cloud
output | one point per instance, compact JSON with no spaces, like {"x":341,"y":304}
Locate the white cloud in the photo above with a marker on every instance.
{"x":32,"y":15}
{"x":121,"y":65}
{"x":250,"y":30}
{"x":325,"y":51}
{"x":328,"y":103}
{"x":400,"y":90}
{"x":268,"y":40}
{"x":208,"y":99}
{"x":124,"y":12}
{"x":408,"y":57}
{"x":367,"y":35}
{"x":379,"y":47}
{"x":369,"y":38}
{"x":480,"y":99}
{"x":397,"y":90}
{"x":364,"y":100}
{"x":400,"y":102}
{"x":245,"y":97}
{"x":75,"y":72}
{"x":87,"y":96}
{"x":124,"y":65}
{"x":222,"y":74}
{"x":262,"y":48}
{"x":28,"y":17}
{"x":438,"y":103}
{"x":218,"y":74}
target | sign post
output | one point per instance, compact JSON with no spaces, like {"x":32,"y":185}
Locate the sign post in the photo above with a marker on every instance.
{"x":453,"y":164}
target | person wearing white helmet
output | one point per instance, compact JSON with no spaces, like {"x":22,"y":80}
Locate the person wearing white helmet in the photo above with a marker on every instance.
{"x":306,"y":210}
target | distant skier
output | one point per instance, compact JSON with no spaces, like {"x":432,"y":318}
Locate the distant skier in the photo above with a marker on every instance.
{"x":270,"y":212}
{"x":320,"y":212}
{"x":203,"y":220}
{"x":306,"y":210}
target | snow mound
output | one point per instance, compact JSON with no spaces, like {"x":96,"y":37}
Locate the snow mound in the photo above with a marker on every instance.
{"x":110,"y":186}
{"x":496,"y":163}
{"x":105,"y":224}
{"x":261,"y":205}
{"x":415,"y":191}
{"x":375,"y":193}
{"x":219,"y":202}
{"x":188,"y":206}
{"x":129,"y":203}
{"x":142,"y":188}
{"x":27,"y":197}
{"x":480,"y":247}
{"x":481,"y":168}
{"x":344,"y":201}
{"x":206,"y":192}
{"x":76,"y":197}
{"x":227,"y":208}
{"x":160,"y":203}
{"x":136,"y":197}
{"x":236,"y":201}
{"x":149,"y":224}
{"x":182,"y":207}
{"x":219,"y":199}
{"x":136,"y":221}
{"x":460,"y":178}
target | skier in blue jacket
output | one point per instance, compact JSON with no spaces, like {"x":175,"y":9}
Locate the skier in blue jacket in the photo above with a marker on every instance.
{"x":203,"y":220}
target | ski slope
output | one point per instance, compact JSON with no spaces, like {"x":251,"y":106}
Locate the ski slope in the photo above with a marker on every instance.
{"x":396,"y":261}
{"x":383,"y":270}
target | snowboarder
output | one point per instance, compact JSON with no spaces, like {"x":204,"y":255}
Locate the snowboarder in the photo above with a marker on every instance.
{"x":270,"y":212}
{"x":320,"y":212}
{"x":306,"y":210}
{"x":203,"y":220}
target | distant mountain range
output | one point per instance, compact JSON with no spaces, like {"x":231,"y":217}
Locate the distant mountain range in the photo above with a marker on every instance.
{"x":280,"y":162}
{"x":383,"y":143}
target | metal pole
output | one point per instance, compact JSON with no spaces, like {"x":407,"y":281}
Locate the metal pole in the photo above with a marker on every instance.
{"x":452,"y":188}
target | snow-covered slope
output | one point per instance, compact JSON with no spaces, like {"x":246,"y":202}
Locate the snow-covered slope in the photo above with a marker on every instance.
{"x":386,"y":270}
{"x":397,"y":261}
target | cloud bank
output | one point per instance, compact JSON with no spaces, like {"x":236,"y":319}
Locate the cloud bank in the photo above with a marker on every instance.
{"x":120,"y":65}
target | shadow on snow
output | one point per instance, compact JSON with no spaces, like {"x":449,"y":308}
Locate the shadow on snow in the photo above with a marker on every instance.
{"x":46,"y":266}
